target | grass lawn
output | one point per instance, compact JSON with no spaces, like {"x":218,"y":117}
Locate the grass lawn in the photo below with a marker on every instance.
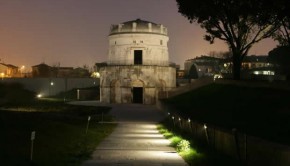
{"x":61,"y":137}
{"x":262,"y":112}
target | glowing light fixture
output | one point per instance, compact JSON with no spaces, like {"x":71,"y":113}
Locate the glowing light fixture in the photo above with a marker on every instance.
{"x":204,"y":126}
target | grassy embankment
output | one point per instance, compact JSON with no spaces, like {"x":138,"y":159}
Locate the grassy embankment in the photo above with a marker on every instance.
{"x":262,"y":112}
{"x":194,"y":153}
{"x":61,"y":137}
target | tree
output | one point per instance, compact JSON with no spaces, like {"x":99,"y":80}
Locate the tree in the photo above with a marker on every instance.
{"x":192,"y":74}
{"x":240,"y":24}
{"x":280,"y":57}
{"x":283,"y":33}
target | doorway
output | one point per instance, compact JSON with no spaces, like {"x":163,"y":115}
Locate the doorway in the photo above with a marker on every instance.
{"x":138,"y":95}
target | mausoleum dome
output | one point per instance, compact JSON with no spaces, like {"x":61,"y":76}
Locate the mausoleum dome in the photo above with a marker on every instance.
{"x":138,"y":26}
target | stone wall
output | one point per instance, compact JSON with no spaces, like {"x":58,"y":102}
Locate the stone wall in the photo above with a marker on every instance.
{"x":117,"y":82}
{"x":153,"y":46}
{"x":52,"y":86}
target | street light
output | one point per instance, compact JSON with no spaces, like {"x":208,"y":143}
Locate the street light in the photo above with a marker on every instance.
{"x":21,"y":70}
{"x":50,"y":88}
{"x":2,"y":75}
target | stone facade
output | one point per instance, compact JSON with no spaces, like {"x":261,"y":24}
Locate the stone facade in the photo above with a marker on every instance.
{"x":138,"y":64}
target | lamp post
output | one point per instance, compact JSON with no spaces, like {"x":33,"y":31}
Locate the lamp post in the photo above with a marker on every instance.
{"x":50,"y":87}
{"x":21,"y":70}
{"x":78,"y":94}
{"x":2,"y":75}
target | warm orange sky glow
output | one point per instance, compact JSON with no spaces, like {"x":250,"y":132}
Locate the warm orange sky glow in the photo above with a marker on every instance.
{"x":74,"y":32}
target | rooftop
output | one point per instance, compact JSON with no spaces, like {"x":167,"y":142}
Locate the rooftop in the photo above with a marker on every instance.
{"x":138,"y":26}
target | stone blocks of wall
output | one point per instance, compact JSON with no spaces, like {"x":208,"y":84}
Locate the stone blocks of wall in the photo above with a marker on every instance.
{"x":117,"y":82}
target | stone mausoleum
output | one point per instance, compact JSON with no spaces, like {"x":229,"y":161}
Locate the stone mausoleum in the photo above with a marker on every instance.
{"x":138,"y":64}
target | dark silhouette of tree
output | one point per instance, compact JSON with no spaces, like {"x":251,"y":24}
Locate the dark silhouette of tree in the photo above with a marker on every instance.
{"x":283,"y":33}
{"x":240,"y":24}
{"x":192,"y":74}
{"x":280,"y":57}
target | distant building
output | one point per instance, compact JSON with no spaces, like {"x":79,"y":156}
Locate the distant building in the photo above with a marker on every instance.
{"x":44,"y":70}
{"x":251,"y":65}
{"x":64,"y":71}
{"x":138,"y":64}
{"x":202,"y":66}
{"x":41,"y":70}
{"x":80,"y":72}
{"x":180,"y":73}
{"x":209,"y":66}
{"x":8,"y":70}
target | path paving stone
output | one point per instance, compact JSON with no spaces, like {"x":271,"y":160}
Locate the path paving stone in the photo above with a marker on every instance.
{"x":135,"y":141}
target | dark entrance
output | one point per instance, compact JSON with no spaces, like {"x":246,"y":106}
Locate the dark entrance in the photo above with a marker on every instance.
{"x":138,"y":57}
{"x":138,"y":95}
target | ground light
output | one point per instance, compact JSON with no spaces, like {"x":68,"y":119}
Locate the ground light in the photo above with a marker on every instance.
{"x":204,"y":126}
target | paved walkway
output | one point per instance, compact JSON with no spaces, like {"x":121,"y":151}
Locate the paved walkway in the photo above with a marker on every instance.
{"x":135,"y":141}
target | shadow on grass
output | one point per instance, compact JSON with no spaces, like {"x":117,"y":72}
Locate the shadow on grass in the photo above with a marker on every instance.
{"x":61,"y":137}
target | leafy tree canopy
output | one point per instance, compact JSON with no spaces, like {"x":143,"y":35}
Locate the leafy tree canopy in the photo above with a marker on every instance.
{"x":280,"y":56}
{"x":283,"y":33}
{"x":239,"y":23}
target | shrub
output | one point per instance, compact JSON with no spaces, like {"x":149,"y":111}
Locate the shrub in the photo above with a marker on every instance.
{"x":183,"y":146}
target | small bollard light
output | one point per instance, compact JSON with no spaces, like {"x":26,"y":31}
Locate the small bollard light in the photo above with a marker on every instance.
{"x":206,"y":134}
{"x":168,"y":113}
{"x":172,"y":117}
{"x":179,"y":119}
{"x":89,"y":118}
{"x":188,"y":120}
{"x":32,"y":141}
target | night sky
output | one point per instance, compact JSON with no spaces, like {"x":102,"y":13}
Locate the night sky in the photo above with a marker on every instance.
{"x":75,"y":32}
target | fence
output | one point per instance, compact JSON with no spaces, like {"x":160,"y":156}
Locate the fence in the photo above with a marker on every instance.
{"x":250,"y":150}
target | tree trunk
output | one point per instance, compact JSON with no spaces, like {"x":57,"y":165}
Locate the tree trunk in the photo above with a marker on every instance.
{"x":236,"y":66}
